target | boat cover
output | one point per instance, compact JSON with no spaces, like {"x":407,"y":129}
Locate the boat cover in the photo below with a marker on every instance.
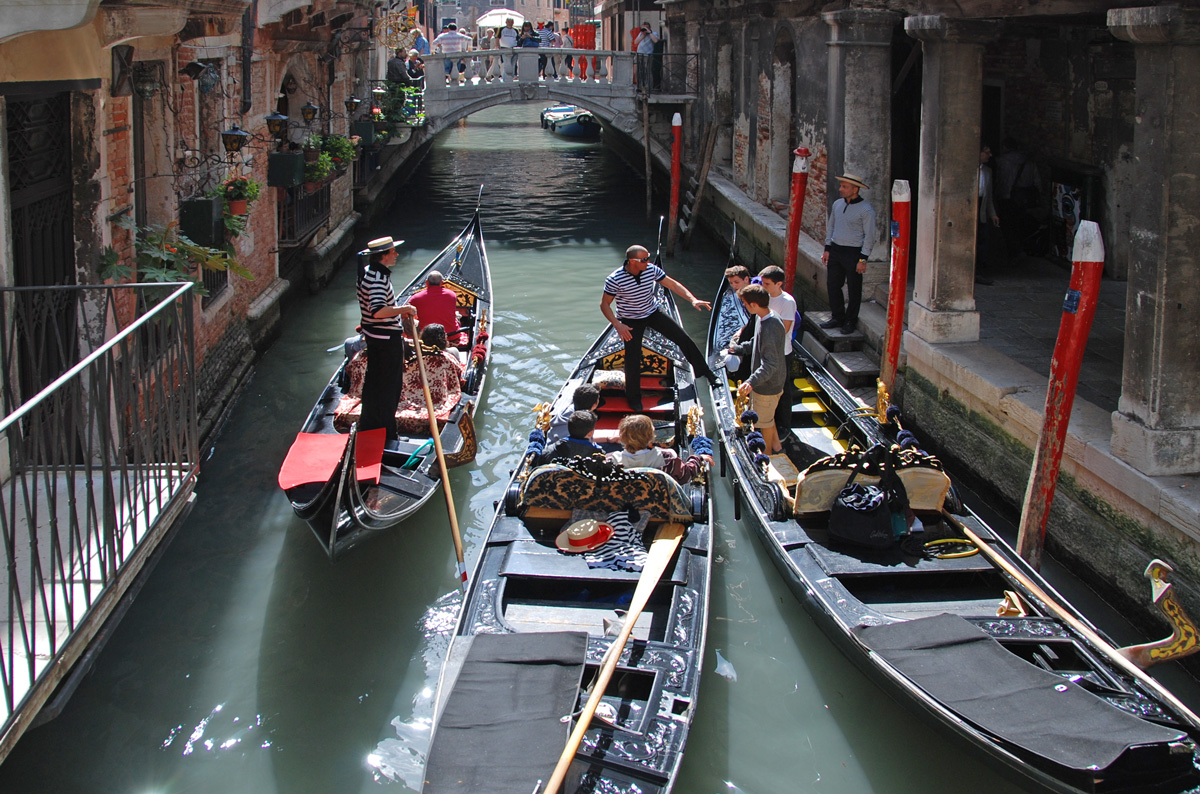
{"x":961,"y":666}
{"x":502,"y":728}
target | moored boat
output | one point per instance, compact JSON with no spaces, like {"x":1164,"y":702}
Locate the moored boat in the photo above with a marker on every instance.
{"x":570,"y":122}
{"x":348,"y":488}
{"x":941,"y":612}
{"x":536,"y":628}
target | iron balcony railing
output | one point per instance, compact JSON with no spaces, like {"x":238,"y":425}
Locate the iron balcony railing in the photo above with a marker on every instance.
{"x":676,"y":73}
{"x":98,"y":451}
{"x":302,"y":212}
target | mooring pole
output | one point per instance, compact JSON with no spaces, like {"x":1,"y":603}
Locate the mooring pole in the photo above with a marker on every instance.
{"x":649,"y":163}
{"x":1079,"y":308}
{"x":676,"y":168}
{"x":898,"y":286}
{"x":795,"y":210}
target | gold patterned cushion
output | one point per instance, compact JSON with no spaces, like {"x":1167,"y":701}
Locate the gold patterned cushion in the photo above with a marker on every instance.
{"x":599,"y":485}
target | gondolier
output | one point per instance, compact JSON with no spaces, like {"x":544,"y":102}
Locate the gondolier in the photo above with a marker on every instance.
{"x":849,"y":238}
{"x":633,"y":287}
{"x":384,"y":335}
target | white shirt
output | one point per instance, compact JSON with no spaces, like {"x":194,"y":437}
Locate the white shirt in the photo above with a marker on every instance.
{"x":785,"y":307}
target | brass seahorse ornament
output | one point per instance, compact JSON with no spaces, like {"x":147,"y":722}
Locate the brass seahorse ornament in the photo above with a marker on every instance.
{"x":1184,"y":639}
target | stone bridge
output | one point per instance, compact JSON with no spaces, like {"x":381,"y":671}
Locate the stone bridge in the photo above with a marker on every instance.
{"x":601,"y":81}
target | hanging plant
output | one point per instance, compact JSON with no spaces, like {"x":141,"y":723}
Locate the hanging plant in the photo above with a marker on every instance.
{"x":318,"y":170}
{"x":163,"y":255}
{"x":239,"y":192}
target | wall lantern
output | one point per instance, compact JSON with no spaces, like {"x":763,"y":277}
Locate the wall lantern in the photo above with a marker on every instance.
{"x":352,"y":103}
{"x":308,"y":111}
{"x":234,"y":138}
{"x":277,"y":125}
{"x":146,"y":80}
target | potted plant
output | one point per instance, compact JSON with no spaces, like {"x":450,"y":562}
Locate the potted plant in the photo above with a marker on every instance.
{"x":312,"y":148}
{"x":340,"y":150}
{"x":380,"y":120}
{"x":239,"y":192}
{"x":317,"y":171}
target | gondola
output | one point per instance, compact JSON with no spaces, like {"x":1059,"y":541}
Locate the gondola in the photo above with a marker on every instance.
{"x":531,"y":638}
{"x":347,"y":490}
{"x":943,"y":615}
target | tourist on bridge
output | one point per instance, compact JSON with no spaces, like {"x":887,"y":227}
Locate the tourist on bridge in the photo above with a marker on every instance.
{"x":421,"y":45}
{"x":385,"y":337}
{"x":634,"y":288}
{"x":451,"y":41}
{"x":416,"y":68}
{"x":849,"y":238}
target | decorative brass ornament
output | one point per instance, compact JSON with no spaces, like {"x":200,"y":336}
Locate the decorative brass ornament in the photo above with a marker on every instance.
{"x":397,"y":30}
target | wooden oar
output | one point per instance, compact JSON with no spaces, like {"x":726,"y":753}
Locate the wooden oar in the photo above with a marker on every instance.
{"x":661,"y":551}
{"x":1101,"y":644}
{"x":441,"y":456}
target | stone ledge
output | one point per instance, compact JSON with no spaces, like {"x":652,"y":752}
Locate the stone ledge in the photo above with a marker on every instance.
{"x":1014,"y":397}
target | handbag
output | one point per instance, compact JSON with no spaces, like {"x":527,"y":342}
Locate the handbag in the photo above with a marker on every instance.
{"x":860,"y":516}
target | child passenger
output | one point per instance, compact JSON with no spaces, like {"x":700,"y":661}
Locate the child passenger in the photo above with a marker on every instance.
{"x":637,"y":438}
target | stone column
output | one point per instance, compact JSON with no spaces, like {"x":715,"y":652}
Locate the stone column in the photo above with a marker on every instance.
{"x":859,"y":136}
{"x":943,"y":306}
{"x":1156,"y":427}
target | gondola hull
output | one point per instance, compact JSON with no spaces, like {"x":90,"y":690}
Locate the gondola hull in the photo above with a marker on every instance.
{"x":349,"y":506}
{"x":529,"y":603}
{"x":1005,"y":679}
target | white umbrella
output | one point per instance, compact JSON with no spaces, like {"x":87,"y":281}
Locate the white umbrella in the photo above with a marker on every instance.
{"x":495,"y":18}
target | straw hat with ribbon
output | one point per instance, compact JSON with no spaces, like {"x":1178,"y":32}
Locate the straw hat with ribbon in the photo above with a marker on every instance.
{"x":585,"y":535}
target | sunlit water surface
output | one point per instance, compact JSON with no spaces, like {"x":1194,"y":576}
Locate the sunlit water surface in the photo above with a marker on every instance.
{"x":250,"y":664}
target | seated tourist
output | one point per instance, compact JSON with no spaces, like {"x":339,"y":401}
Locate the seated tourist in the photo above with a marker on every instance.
{"x":580,"y":427}
{"x":585,"y":398}
{"x":444,"y":374}
{"x":637,"y":437}
{"x":436,"y":304}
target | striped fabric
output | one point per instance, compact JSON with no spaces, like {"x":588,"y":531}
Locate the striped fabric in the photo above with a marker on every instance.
{"x":547,"y":36}
{"x":625,"y":551}
{"x":375,"y":292}
{"x":635,"y":295}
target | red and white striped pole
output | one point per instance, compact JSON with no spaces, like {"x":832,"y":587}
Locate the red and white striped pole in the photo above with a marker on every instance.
{"x":1079,"y":308}
{"x":898,"y":285}
{"x":676,"y":157}
{"x":795,"y":211}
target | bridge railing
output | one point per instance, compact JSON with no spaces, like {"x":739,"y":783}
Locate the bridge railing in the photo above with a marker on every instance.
{"x":98,"y":455}
{"x":585,"y":67}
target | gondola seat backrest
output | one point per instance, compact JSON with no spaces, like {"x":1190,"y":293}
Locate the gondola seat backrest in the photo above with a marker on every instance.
{"x":602,"y":486}
{"x":925,"y":484}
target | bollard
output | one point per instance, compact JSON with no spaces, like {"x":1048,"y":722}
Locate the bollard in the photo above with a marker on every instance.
{"x":898,"y":285}
{"x":795,"y":210}
{"x":676,"y":156}
{"x":1079,"y":308}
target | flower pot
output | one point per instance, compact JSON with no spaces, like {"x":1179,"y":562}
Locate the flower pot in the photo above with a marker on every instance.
{"x":380,"y":126}
{"x":237,"y":206}
{"x":313,"y":187}
{"x":312,"y":155}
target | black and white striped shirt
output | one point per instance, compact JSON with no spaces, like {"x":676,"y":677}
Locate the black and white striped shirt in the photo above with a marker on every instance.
{"x":374,"y":292}
{"x":635,"y":295}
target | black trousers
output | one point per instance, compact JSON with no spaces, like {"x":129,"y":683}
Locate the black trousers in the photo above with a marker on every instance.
{"x":660,"y":322}
{"x":843,"y":269}
{"x":381,"y":384}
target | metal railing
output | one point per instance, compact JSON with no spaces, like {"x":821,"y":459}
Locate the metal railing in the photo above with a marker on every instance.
{"x":302,"y":212}
{"x":98,"y":452}
{"x":676,"y":73}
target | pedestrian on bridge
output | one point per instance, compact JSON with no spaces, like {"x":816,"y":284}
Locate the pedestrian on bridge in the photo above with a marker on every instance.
{"x":451,"y":41}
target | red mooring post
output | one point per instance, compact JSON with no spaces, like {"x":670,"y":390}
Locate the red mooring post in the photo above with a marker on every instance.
{"x":795,"y":211}
{"x":676,"y":157}
{"x":1079,"y":308}
{"x":898,"y":286}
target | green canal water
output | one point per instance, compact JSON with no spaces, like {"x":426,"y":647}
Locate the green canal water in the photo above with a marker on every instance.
{"x":251,"y":665}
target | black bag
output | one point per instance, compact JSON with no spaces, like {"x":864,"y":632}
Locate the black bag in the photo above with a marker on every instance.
{"x":860,"y":516}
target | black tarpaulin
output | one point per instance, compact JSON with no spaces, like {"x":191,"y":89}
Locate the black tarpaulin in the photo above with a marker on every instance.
{"x":964,"y":668}
{"x":502,"y":728}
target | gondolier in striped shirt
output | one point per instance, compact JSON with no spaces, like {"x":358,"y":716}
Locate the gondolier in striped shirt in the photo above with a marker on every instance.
{"x":633,"y":288}
{"x":381,"y":325}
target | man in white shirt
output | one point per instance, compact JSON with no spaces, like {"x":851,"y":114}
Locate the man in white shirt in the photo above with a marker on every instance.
{"x":451,"y":41}
{"x":784,"y":305}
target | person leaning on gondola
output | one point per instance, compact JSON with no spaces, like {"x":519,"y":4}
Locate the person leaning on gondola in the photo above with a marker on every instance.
{"x":381,"y":325}
{"x":580,"y":427}
{"x":633,"y":286}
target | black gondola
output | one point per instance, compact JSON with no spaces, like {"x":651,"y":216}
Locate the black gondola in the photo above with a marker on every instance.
{"x":974,"y":639}
{"x":345,"y":504}
{"x":536,"y":622}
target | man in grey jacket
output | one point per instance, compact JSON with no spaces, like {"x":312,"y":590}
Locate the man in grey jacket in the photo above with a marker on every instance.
{"x":767,"y":361}
{"x":849,"y":238}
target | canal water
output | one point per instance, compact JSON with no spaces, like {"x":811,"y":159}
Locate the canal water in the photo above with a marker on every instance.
{"x":249,"y":664}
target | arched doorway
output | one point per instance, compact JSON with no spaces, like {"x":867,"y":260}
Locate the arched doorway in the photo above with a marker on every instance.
{"x":783,"y":127}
